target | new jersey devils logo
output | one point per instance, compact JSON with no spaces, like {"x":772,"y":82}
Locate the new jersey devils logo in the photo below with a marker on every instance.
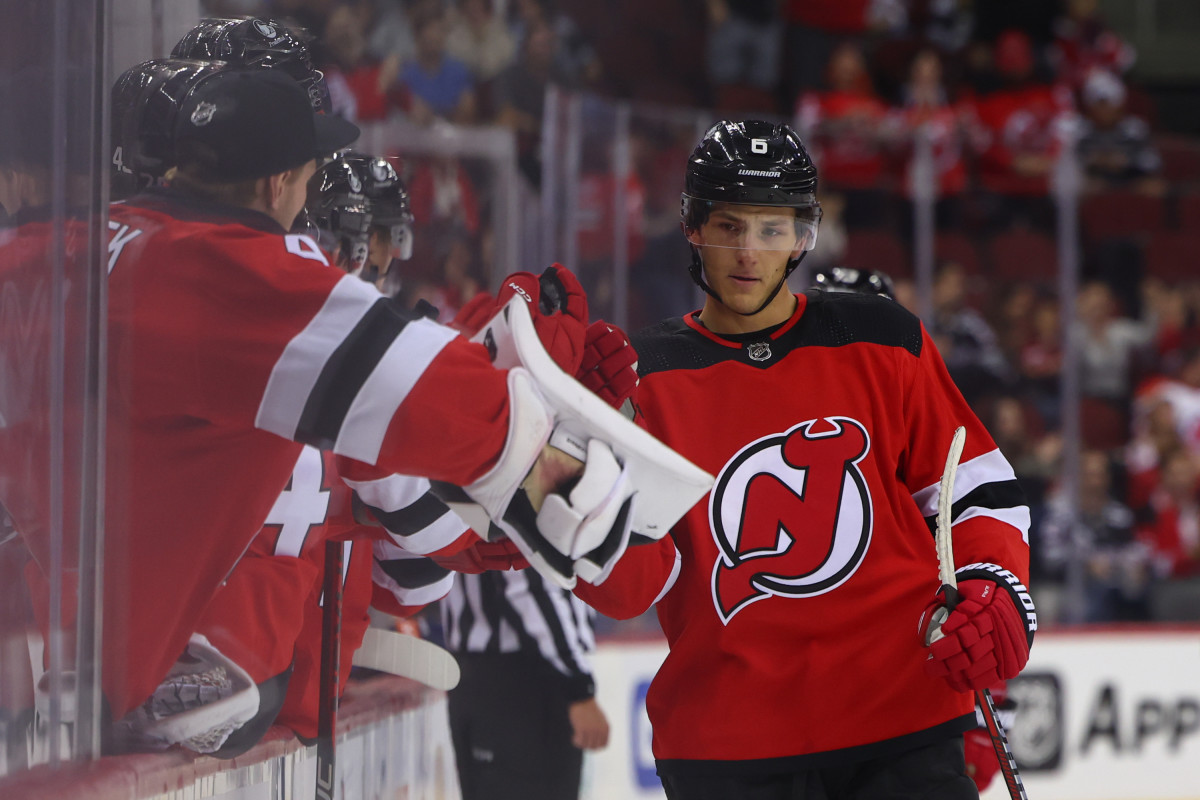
{"x":791,"y":514}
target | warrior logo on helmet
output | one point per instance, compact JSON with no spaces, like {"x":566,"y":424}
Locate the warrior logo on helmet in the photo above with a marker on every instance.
{"x":791,"y":514}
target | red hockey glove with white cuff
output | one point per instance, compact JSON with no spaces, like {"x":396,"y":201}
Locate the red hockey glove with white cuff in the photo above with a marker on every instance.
{"x":609,"y":365}
{"x":556,"y":302}
{"x":984,"y":639}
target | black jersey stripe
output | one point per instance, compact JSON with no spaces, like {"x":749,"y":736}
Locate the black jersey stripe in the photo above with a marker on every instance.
{"x":413,"y":518}
{"x":413,"y":573}
{"x":345,"y":372}
{"x":995,"y":496}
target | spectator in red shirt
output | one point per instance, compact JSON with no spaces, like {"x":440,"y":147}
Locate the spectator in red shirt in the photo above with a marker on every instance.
{"x":1024,"y":120}
{"x":845,"y":128}
{"x":1174,"y":529}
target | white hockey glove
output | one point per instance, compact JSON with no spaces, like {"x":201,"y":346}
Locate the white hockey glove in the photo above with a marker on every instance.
{"x":568,"y":516}
{"x":629,"y":481}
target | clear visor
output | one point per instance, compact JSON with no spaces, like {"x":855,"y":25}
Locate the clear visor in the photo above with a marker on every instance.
{"x":748,"y":227}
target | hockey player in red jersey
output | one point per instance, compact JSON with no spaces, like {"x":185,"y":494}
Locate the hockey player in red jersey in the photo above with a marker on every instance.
{"x":265,"y":620}
{"x":791,"y":599}
{"x":232,"y":342}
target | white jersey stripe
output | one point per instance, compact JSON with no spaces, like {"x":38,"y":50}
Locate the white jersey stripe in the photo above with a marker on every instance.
{"x":406,"y":595}
{"x":1017,"y":517}
{"x":390,"y":493}
{"x":396,"y":492}
{"x":442,"y":532}
{"x":674,"y":576}
{"x":991,"y":467}
{"x":297,"y":370}
{"x":367,"y":420}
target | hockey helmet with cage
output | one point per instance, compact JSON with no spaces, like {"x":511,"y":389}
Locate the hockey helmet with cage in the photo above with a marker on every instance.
{"x":755,"y":163}
{"x":251,"y":42}
{"x":338,"y":208}
{"x":858,"y":281}
{"x":145,"y":103}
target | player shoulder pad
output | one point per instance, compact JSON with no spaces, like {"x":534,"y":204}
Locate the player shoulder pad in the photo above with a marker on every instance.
{"x":838,"y":318}
{"x":671,"y":344}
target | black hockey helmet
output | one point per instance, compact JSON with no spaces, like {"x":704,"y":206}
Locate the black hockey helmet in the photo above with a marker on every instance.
{"x":859,"y":281}
{"x":390,"y":206}
{"x":751,"y":162}
{"x":145,"y":103}
{"x":252,"y":42}
{"x":338,"y":208}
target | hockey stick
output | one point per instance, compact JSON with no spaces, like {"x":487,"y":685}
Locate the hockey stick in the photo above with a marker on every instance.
{"x":945,"y":552}
{"x":408,"y":657}
{"x":331,"y":640}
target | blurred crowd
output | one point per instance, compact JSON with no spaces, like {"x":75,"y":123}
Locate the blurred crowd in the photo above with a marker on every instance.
{"x":991,"y":94}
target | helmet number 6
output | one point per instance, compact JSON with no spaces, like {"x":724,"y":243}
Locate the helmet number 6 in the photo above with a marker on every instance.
{"x":758,"y":146}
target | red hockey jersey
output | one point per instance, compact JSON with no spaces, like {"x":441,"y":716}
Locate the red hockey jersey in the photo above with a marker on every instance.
{"x":229,"y":343}
{"x":792,"y":623}
{"x":268,"y":615}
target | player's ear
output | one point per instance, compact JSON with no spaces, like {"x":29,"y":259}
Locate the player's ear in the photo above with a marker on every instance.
{"x":275,"y":185}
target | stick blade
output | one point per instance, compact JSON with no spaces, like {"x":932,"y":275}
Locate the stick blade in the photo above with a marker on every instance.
{"x":408,"y":657}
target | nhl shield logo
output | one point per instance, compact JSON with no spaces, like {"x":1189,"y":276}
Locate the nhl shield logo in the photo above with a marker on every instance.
{"x":759,"y":351}
{"x":203,"y":113}
{"x":791,"y":515}
{"x":266,"y":30}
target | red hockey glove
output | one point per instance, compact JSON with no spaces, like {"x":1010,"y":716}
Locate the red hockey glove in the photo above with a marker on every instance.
{"x":982,"y":764}
{"x":984,"y":641}
{"x":484,"y":557}
{"x":609,"y":365}
{"x":557,"y":304}
{"x":478,"y":310}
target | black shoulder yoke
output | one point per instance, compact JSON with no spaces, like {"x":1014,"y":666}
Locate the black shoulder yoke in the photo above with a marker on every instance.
{"x":831,"y":319}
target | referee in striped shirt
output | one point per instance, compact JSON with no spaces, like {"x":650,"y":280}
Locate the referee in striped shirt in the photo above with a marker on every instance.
{"x":525,"y":708}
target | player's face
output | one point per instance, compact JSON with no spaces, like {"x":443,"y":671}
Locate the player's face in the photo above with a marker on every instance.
{"x":745,"y":251}
{"x":381,"y":250}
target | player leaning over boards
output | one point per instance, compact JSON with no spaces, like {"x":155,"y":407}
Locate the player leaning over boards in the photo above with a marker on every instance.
{"x":792,"y":598}
{"x":231,"y":342}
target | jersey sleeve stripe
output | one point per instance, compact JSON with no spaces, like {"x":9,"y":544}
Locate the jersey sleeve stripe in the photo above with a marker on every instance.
{"x":345,"y":372}
{"x":986,"y":500}
{"x":674,"y":576}
{"x":419,"y":514}
{"x":991,"y":467}
{"x":441,"y":532}
{"x":385,"y":388}
{"x":390,"y":493}
{"x":298,"y":369}
{"x":1019,"y":517}
{"x":413,"y":596}
{"x":421,"y":524}
{"x":413,"y":580}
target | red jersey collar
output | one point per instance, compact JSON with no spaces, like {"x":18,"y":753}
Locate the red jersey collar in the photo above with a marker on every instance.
{"x":736,"y":341}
